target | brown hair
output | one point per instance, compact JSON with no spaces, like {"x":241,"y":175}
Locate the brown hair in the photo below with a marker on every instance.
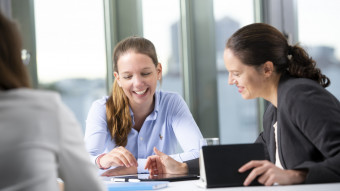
{"x":119,"y":121}
{"x":13,"y":73}
{"x":258,"y":43}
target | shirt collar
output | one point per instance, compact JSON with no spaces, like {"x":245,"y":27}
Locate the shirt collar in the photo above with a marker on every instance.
{"x":153,"y":114}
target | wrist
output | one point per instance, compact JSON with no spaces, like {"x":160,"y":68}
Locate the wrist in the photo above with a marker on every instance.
{"x":298,"y":176}
{"x":183,"y":168}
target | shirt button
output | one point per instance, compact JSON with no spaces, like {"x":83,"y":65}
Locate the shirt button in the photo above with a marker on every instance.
{"x":141,"y":138}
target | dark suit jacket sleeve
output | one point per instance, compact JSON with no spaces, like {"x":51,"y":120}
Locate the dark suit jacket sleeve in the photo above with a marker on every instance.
{"x":260,"y":139}
{"x":193,"y":166}
{"x":316,"y":113}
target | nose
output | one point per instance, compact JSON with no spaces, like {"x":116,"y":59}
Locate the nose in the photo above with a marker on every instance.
{"x":138,"y":80}
{"x":231,"y":81}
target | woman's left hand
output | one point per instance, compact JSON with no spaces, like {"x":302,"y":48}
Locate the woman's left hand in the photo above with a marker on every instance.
{"x":121,"y":170}
{"x":164,"y":164}
{"x":268,"y":174}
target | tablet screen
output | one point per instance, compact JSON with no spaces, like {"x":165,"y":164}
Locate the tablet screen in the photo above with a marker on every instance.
{"x":160,"y":177}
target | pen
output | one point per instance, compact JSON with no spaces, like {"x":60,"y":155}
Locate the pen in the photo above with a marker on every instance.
{"x":134,"y":180}
{"x":124,"y":180}
{"x":118,"y":179}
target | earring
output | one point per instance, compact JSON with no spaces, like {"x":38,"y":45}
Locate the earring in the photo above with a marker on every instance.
{"x":119,"y":85}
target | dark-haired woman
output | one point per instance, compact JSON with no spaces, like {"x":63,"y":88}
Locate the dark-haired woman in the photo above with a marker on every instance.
{"x":121,"y":130}
{"x":302,"y":121}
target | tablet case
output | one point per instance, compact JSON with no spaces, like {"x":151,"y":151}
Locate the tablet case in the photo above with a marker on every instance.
{"x":221,"y":164}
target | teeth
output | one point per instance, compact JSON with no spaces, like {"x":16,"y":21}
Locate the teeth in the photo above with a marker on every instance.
{"x":141,"y":92}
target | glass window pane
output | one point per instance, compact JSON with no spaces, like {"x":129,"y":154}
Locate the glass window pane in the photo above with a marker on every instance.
{"x":161,"y":26}
{"x":319,"y":34}
{"x":237,"y":117}
{"x":71,"y":51}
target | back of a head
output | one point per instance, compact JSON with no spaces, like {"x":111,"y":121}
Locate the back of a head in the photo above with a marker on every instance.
{"x":13,"y":73}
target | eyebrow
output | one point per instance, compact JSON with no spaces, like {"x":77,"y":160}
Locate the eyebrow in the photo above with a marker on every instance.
{"x":127,"y":72}
{"x":232,"y":70}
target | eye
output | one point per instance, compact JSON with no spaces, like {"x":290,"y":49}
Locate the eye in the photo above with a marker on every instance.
{"x":127,"y":77}
{"x":146,"y":74}
{"x":236,"y":74}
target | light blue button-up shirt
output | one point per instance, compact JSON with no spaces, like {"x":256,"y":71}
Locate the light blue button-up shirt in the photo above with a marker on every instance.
{"x":170,"y":127}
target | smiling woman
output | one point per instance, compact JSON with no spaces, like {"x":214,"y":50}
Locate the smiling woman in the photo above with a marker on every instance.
{"x":138,"y":79}
{"x":301,"y":142}
{"x":247,"y":79}
{"x":123,"y":129}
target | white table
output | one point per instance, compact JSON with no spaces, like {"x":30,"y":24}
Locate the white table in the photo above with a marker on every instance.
{"x":192,"y":186}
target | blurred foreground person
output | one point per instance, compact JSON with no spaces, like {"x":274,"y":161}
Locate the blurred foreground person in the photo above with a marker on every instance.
{"x":40,"y":138}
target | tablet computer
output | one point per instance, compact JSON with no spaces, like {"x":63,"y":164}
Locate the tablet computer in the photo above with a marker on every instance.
{"x":221,"y":163}
{"x":159,"y":177}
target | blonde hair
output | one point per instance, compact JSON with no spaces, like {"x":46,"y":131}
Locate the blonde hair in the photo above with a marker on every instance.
{"x":119,"y":121}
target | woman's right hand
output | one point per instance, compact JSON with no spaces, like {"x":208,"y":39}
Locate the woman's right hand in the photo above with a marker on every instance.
{"x":118,"y":156}
{"x":269,"y":174}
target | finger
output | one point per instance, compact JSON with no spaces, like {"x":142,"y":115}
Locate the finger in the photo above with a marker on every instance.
{"x":130,"y":159}
{"x":254,"y":173}
{"x":159,"y":166}
{"x":154,"y":169}
{"x":118,"y":160}
{"x":270,"y":181}
{"x":250,"y":165}
{"x":263,"y":178}
{"x":149,"y":161}
{"x":159,"y":153}
{"x":109,"y":173}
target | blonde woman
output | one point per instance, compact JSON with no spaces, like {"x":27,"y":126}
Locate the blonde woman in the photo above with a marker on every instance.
{"x":122,"y":129}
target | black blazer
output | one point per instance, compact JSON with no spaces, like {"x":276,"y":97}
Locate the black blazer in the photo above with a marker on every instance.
{"x":193,"y":166}
{"x":308,"y":122}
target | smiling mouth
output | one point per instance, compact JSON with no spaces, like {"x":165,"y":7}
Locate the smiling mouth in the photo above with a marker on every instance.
{"x":240,"y":89}
{"x":140,"y":92}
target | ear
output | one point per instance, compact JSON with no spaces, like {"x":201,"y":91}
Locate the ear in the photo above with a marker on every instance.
{"x":115,"y":74}
{"x":159,"y":71}
{"x":268,"y":68}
